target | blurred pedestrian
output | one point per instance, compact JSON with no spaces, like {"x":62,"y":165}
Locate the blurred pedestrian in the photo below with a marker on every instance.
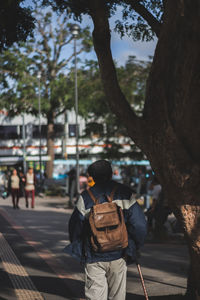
{"x":14,"y":187}
{"x":30,"y":187}
{"x":6,"y":188}
{"x":22,"y":182}
{"x":116,"y":176}
{"x":72,"y":185}
{"x":155,"y":194}
{"x":83,"y":181}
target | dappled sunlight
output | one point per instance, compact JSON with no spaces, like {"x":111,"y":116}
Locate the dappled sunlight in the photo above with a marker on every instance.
{"x":163,"y":265}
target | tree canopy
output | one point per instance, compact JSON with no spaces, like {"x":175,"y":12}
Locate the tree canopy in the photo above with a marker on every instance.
{"x":48,"y":54}
{"x":141,"y":20}
{"x":16,"y":24}
{"x":101,"y":123}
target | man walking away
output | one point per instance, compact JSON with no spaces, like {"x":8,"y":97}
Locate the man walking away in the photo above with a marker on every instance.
{"x":105,"y":271}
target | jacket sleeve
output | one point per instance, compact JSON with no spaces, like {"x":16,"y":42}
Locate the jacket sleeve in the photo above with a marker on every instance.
{"x":136,"y":225}
{"x":76,"y":222}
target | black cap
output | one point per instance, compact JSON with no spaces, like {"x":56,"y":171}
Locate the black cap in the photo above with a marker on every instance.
{"x":100,"y":171}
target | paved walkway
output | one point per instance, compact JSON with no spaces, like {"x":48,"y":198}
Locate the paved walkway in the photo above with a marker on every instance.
{"x":33,"y":266}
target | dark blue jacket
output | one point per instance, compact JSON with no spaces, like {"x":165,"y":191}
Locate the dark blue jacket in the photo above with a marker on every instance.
{"x":80,"y":247}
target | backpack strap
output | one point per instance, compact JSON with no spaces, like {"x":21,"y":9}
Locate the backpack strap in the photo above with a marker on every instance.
{"x":95,"y":200}
{"x":110,"y":198}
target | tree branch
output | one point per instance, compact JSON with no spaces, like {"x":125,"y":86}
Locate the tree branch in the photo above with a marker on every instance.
{"x":146,"y":15}
{"x":65,"y":62}
{"x":116,"y":99}
{"x":60,"y":112}
{"x":46,"y":47}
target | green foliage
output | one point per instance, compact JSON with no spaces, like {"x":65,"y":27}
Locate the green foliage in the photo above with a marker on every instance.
{"x":16,"y":22}
{"x":42,"y":54}
{"x":19,"y":81}
{"x":134,"y":25}
{"x":101,"y":123}
{"x":132,"y":79}
{"x":131,"y":23}
{"x":77,"y":7}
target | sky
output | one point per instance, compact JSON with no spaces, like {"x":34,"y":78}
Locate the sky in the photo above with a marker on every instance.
{"x":121,"y":48}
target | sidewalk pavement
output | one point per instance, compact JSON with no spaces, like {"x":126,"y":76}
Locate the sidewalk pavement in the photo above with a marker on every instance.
{"x":33,"y":266}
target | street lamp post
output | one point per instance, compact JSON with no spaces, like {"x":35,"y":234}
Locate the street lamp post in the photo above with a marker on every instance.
{"x":75,"y":31}
{"x":39,"y":117}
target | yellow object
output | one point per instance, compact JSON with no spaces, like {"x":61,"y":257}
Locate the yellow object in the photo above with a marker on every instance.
{"x":90,"y":181}
{"x":141,"y":201}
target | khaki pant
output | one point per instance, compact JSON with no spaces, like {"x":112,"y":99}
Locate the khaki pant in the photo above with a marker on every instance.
{"x":106,"y":280}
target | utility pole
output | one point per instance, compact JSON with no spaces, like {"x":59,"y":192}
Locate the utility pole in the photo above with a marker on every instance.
{"x":75,"y":31}
{"x":39,"y":117}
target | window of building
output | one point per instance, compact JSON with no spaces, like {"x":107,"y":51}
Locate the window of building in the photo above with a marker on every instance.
{"x":9,"y":132}
{"x":59,"y":130}
{"x":72,"y":130}
{"x":36,"y":132}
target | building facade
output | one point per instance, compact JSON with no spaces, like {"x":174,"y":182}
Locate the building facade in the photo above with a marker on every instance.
{"x":20,"y":139}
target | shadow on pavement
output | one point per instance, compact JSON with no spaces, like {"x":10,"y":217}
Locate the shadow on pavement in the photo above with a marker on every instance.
{"x":50,"y":227}
{"x":51,"y":285}
{"x":155,"y":280}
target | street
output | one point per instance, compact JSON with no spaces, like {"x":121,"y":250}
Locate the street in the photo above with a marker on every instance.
{"x":36,"y":238}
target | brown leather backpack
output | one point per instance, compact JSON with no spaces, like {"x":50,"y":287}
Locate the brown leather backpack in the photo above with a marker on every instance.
{"x":108,"y":229}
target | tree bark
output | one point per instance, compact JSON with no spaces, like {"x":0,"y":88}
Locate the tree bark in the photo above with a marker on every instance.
{"x":169,"y":131}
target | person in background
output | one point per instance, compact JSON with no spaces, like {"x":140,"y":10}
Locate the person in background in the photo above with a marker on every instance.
{"x":14,"y":186}
{"x":156,"y":190}
{"x":83,"y":181}
{"x":30,"y":187}
{"x":155,"y":193}
{"x":7,"y":185}
{"x":22,"y":182}
{"x":72,"y":185}
{"x":5,"y":188}
{"x":116,"y":176}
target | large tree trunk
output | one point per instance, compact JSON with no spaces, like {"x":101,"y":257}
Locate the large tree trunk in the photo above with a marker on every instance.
{"x":169,"y":131}
{"x":173,"y":100}
{"x":50,"y":147}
